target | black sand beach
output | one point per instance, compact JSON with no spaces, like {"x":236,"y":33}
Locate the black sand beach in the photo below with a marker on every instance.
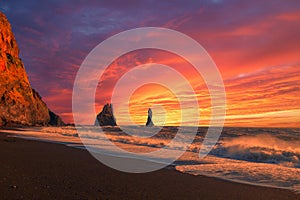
{"x":40,"y":170}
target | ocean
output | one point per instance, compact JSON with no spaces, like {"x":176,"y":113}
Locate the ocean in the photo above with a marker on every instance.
{"x":259,"y":156}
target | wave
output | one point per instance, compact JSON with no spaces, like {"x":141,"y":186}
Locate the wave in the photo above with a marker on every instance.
{"x":277,"y":146}
{"x":265,"y":148}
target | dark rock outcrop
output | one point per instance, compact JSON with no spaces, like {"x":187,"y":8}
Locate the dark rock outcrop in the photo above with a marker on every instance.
{"x":55,"y":120}
{"x":149,"y":119}
{"x":106,"y":117}
{"x":19,"y":103}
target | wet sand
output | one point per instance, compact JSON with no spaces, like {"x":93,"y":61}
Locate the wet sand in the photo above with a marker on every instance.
{"x":40,"y":170}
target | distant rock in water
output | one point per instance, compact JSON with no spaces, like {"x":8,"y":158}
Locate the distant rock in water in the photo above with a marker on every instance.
{"x":149,"y":119}
{"x":106,"y":117}
{"x":19,"y":103}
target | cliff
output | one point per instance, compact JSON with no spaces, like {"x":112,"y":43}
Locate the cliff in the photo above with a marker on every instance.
{"x":19,"y":103}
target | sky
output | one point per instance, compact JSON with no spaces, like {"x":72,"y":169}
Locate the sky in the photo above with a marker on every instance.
{"x":254,"y":44}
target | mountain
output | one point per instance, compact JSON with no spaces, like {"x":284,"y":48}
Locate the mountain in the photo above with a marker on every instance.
{"x":19,"y":103}
{"x":106,"y":117}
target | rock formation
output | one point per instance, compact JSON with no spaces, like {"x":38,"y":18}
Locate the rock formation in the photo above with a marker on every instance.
{"x":106,"y":117}
{"x":149,"y":119}
{"x":55,"y":120}
{"x":19,"y":103}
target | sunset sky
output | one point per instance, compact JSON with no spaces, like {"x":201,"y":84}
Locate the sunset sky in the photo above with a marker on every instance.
{"x":256,"y":47}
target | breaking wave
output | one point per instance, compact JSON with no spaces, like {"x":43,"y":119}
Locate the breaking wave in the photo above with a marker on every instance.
{"x":263,"y":148}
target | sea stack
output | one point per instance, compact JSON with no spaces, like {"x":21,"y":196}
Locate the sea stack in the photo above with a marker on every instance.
{"x":149,"y":119}
{"x":106,"y":117}
{"x":19,"y":103}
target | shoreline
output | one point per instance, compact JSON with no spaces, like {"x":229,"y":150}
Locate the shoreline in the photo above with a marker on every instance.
{"x":16,"y":132}
{"x":169,"y":167}
{"x":36,"y":169}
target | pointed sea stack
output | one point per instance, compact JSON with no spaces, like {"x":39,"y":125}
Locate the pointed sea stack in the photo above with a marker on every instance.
{"x":20,"y":105}
{"x":106,"y":117}
{"x":149,"y":119}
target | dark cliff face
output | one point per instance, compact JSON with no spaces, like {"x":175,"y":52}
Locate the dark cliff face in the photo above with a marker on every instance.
{"x":55,"y":120}
{"x":19,"y":103}
{"x":106,"y":117}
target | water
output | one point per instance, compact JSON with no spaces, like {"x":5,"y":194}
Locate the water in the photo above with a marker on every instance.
{"x":261,"y":156}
